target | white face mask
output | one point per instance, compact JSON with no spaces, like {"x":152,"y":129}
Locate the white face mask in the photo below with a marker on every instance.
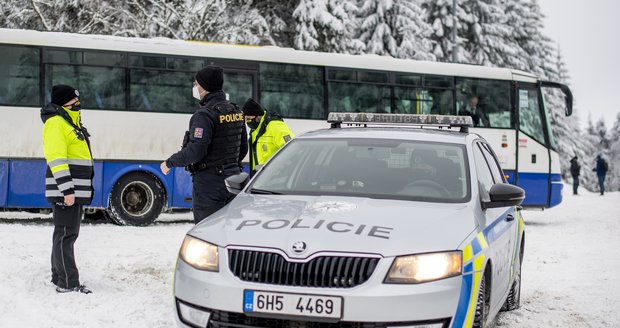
{"x":196,"y":93}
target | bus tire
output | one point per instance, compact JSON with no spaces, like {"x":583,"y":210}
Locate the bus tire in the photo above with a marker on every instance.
{"x":136,"y":199}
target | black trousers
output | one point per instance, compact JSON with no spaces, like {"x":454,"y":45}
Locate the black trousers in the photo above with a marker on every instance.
{"x":575,"y":184}
{"x":209,"y":192}
{"x":66,"y":230}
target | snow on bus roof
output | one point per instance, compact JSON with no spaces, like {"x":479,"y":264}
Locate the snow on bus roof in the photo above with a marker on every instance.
{"x":203,"y":49}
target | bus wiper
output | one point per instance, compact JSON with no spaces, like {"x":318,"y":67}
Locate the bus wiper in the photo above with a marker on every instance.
{"x":264,"y":192}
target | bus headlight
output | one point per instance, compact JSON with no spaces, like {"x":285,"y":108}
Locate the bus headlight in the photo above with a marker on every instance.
{"x":200,"y":254}
{"x":415,"y":269}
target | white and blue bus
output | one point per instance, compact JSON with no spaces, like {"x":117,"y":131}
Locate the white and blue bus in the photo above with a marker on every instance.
{"x":136,"y":95}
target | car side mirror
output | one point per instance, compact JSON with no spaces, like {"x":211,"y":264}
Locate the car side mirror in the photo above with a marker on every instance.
{"x":235,"y":183}
{"x":503,"y":195}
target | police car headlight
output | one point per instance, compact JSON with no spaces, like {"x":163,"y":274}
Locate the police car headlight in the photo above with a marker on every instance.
{"x":415,"y":269}
{"x":200,"y":254}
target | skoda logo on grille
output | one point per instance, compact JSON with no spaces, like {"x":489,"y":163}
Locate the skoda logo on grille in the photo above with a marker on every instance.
{"x":299,"y":247}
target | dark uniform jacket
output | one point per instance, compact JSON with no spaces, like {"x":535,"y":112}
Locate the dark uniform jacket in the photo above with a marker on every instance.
{"x":574,"y":167}
{"x":216,"y":136}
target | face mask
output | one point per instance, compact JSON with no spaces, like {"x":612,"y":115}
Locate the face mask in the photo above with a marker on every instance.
{"x":75,"y":107}
{"x":196,"y":93}
{"x":253,"y":125}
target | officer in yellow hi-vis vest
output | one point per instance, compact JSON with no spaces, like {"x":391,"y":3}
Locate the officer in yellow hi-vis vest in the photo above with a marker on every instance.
{"x":68,"y":181}
{"x":268,"y":133}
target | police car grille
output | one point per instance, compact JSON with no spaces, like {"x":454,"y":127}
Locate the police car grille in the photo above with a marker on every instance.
{"x":323,"y":271}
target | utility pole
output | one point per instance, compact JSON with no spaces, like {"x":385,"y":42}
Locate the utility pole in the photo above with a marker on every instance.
{"x":454,"y":20}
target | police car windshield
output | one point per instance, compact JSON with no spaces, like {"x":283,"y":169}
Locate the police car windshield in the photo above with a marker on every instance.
{"x":375,"y":168}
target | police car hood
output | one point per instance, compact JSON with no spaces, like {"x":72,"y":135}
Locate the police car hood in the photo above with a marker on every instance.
{"x":339,"y":224}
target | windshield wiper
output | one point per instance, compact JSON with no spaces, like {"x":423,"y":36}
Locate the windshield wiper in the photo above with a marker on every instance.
{"x":264,"y":192}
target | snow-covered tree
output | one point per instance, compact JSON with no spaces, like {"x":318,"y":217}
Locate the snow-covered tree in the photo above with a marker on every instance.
{"x":395,"y":28}
{"x":441,"y":18}
{"x":279,"y":17}
{"x":324,"y":25}
{"x":613,"y":175}
{"x":490,"y":40}
{"x":56,"y":15}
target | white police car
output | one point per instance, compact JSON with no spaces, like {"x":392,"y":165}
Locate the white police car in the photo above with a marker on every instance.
{"x":360,"y":227}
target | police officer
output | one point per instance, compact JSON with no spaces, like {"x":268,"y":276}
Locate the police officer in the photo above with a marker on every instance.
{"x":268,"y":132}
{"x":68,"y":181}
{"x":213,"y":146}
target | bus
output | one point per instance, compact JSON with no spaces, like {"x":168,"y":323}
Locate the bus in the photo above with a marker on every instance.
{"x":136,"y":95}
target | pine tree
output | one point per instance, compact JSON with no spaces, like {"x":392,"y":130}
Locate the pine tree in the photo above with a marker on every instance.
{"x":565,"y":129}
{"x":440,"y":17}
{"x":490,"y":35}
{"x":324,"y":25}
{"x":613,"y":174}
{"x":279,"y":18}
{"x":394,"y":28}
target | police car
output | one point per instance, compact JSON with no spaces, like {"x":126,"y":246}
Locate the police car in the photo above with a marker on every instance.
{"x":382,"y":220}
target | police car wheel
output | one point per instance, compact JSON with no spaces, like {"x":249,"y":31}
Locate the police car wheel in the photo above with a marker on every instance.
{"x":513,"y":301}
{"x":136,"y":199}
{"x":483,"y":304}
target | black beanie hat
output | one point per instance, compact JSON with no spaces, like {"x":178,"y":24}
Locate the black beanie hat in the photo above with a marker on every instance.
{"x":252,"y":108}
{"x":62,"y":94}
{"x":211,"y":78}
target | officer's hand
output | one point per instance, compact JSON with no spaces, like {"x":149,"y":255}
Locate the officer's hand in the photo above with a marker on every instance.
{"x":164,"y":168}
{"x":70,"y":200}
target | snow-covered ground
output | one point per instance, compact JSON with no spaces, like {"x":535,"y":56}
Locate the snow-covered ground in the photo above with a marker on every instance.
{"x":571,"y":273}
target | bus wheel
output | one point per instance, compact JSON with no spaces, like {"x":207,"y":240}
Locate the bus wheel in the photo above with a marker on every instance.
{"x":483,"y":304}
{"x":136,"y":199}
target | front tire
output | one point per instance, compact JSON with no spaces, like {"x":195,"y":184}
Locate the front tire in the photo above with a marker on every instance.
{"x":513,"y":301}
{"x":136,"y":199}
{"x":483,"y":304}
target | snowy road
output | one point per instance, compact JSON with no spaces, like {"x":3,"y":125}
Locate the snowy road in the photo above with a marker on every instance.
{"x":570,"y":274}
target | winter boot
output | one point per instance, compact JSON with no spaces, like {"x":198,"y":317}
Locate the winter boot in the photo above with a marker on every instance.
{"x":81,"y":289}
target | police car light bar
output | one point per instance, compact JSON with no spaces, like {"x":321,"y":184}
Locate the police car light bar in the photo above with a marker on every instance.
{"x":337,"y":118}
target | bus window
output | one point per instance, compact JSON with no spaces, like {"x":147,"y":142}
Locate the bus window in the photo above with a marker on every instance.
{"x":342,"y":75}
{"x":185,"y":64}
{"x":550,"y":93}
{"x":100,"y":87}
{"x":19,"y":76}
{"x":294,"y":91}
{"x":423,"y":101}
{"x":372,"y":77}
{"x":147,"y":61}
{"x":238,"y":86}
{"x":162,"y":91}
{"x":486,"y":101}
{"x":104,"y":59}
{"x":419,"y":94}
{"x":63,"y":57}
{"x":359,"y":97}
{"x":530,"y":121}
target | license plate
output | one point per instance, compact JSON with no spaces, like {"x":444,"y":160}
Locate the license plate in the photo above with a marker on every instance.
{"x":316,"y":306}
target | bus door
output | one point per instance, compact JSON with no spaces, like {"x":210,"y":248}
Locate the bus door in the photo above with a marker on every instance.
{"x":533,"y":162}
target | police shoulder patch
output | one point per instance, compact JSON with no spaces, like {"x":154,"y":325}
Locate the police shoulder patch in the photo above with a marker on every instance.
{"x":198,"y":133}
{"x":287,"y":138}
